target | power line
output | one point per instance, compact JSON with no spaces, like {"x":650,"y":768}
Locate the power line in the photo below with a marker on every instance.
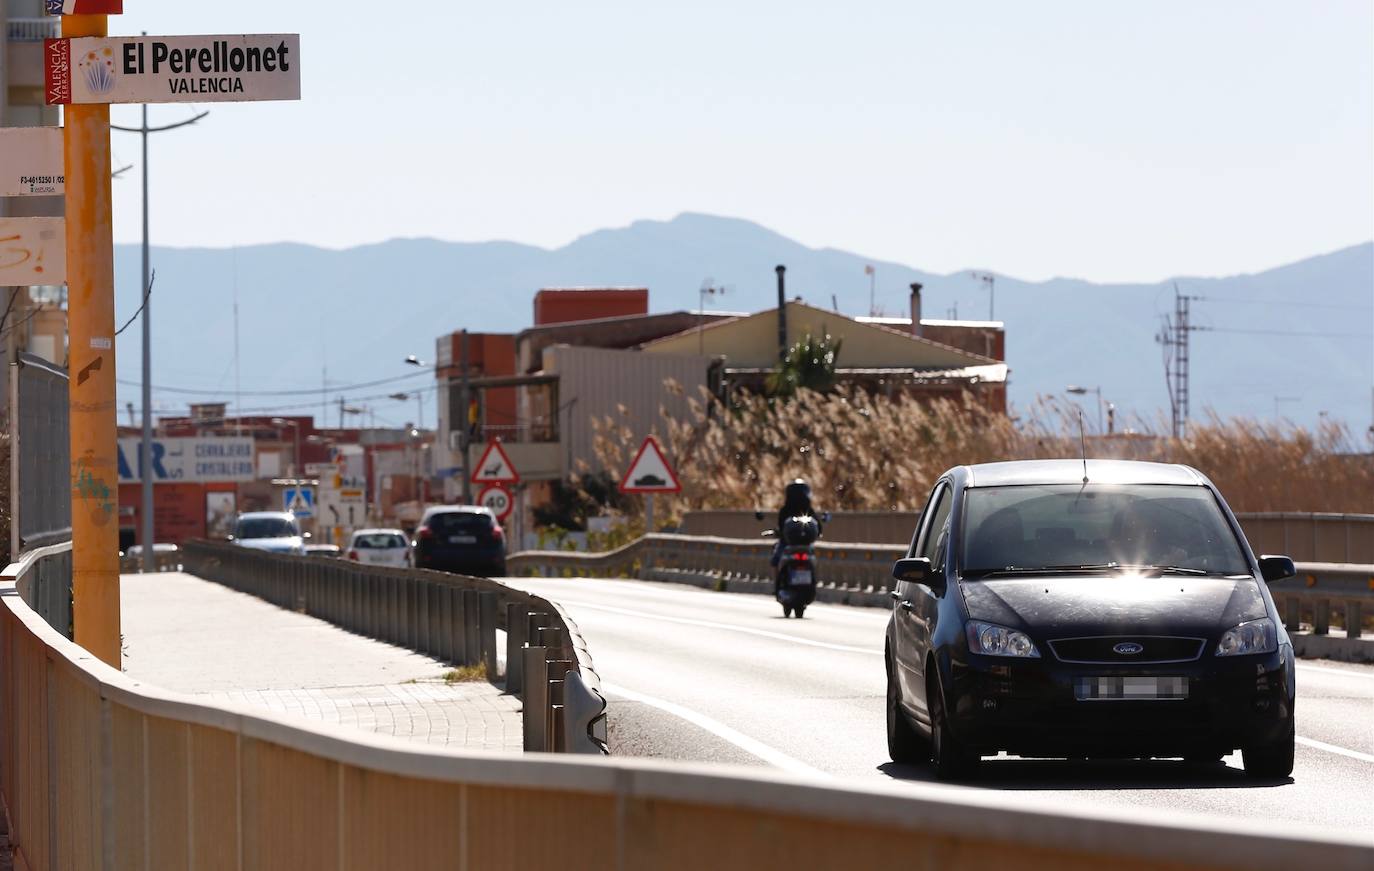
{"x":296,"y":405}
{"x":1231,"y":300}
{"x":312,"y":392}
{"x":1286,"y":333}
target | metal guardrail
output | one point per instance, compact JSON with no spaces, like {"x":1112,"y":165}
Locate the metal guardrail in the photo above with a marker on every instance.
{"x":453,"y":618}
{"x":1320,"y":588}
{"x":860,"y":574}
{"x":164,"y":560}
{"x":100,"y":770}
{"x":44,"y":581}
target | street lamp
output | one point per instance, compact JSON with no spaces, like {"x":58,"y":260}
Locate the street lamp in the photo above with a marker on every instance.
{"x":295,"y":457}
{"x":419,"y":402}
{"x":462,"y":427}
{"x":1083,"y":391}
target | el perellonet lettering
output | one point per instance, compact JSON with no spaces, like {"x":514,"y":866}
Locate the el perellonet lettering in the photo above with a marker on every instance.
{"x":214,"y":59}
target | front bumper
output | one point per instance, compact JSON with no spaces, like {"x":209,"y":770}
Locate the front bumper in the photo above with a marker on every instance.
{"x":1029,"y":707}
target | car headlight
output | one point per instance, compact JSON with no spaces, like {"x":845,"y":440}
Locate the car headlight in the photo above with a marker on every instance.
{"x":992,"y":640}
{"x":1257,"y":636}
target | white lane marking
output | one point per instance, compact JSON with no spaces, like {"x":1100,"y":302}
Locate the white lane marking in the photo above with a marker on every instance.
{"x":749,"y":745}
{"x":843,"y":648}
{"x":1368,"y":675}
{"x":1332,"y":748}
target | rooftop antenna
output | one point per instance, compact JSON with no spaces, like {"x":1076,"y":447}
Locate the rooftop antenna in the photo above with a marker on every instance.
{"x":1083,"y":447}
{"x":707,"y":286}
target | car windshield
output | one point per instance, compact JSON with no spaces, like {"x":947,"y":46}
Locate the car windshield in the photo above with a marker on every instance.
{"x":459,"y":521}
{"x":265,"y":527}
{"x":379,"y":540}
{"x":1028,"y":528}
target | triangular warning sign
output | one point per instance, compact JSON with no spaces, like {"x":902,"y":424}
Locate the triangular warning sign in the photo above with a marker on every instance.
{"x":650,"y":472}
{"x":495,"y":467}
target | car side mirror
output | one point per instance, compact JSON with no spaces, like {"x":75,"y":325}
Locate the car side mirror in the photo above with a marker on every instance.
{"x":915,"y":570}
{"x":228,"y":538}
{"x":305,"y":535}
{"x":1276,"y":568}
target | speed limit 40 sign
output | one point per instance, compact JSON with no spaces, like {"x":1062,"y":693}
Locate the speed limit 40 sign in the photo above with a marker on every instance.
{"x":498,"y":499}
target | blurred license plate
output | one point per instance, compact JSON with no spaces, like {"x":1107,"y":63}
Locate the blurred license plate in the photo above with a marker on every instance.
{"x":801,"y":577}
{"x":1091,"y":689}
{"x":462,"y":539}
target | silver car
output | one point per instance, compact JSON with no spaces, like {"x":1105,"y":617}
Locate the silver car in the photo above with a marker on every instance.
{"x":272,"y":531}
{"x":380,"y":547}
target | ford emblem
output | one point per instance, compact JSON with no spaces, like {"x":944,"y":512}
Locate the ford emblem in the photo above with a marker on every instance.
{"x":1128,"y":648}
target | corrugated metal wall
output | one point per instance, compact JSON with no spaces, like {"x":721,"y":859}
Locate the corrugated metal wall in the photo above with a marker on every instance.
{"x":594,"y":382}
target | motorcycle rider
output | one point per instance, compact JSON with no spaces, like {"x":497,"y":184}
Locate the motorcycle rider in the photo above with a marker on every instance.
{"x":796,"y":502}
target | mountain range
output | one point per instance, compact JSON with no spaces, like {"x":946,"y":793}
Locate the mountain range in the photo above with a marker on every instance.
{"x":1293,"y":342}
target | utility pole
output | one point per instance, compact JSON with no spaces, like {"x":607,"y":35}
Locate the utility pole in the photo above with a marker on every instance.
{"x":91,"y":400}
{"x":1174,"y":338}
{"x":145,"y":449}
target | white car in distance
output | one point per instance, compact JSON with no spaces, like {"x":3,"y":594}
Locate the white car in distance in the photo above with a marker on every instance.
{"x":380,"y":547}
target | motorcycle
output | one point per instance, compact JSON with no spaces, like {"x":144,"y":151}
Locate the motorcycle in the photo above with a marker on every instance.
{"x":795,"y":580}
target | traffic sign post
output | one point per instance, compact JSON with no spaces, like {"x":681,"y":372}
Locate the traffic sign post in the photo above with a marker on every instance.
{"x":86,"y":71}
{"x":650,"y":473}
{"x":498,"y":499}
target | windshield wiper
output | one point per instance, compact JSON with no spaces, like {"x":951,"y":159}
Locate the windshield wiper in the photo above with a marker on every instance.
{"x":1036,"y":570}
{"x":1091,"y":567}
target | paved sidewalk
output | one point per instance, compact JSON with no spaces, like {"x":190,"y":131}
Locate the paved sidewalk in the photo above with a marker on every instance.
{"x":198,"y":637}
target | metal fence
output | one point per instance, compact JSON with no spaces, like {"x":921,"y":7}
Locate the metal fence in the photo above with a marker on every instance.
{"x":453,"y":618}
{"x":40,"y":455}
{"x":860,"y":574}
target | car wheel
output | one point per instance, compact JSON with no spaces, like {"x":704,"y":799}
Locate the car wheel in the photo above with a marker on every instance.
{"x":800,"y":610}
{"x":904,"y":744}
{"x":949,"y":757}
{"x":1272,"y":761}
{"x":786,"y":611}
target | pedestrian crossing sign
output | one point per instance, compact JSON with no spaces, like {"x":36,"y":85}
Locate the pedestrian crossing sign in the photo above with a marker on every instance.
{"x":300,"y":501}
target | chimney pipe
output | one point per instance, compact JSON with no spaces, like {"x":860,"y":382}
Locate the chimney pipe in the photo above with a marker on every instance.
{"x":916,"y":308}
{"x":782,"y":314}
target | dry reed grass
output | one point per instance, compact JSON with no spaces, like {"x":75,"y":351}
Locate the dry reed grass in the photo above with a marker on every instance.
{"x":862,"y":452}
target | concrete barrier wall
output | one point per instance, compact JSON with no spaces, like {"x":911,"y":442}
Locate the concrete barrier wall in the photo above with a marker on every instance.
{"x":99,"y":771}
{"x":1306,"y":537}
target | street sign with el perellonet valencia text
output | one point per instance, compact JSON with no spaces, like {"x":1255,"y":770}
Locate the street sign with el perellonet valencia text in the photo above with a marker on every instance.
{"x":172,"y":69}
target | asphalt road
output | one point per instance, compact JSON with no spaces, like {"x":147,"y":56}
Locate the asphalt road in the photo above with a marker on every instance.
{"x":698,"y":675}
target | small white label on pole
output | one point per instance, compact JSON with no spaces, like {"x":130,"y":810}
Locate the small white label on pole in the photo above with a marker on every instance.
{"x":101,"y":344}
{"x":650,"y":472}
{"x":172,"y":69}
{"x":31,"y":162}
{"x":32,"y":251}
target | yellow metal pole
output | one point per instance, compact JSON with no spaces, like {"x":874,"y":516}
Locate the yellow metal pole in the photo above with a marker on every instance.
{"x":91,"y":365}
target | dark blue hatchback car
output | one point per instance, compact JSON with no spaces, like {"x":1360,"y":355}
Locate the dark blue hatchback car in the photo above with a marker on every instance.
{"x":1063,"y":608}
{"x":466,"y":539}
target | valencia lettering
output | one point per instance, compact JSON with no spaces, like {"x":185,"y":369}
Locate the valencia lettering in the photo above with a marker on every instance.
{"x":206,"y":86}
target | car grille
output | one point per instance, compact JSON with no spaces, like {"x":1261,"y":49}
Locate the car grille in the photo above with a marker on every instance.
{"x":1104,"y":650}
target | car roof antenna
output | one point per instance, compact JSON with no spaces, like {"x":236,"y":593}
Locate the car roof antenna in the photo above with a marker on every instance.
{"x":1083,"y":446}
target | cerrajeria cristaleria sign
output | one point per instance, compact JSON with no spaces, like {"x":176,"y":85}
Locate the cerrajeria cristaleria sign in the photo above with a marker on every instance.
{"x":173,"y":69}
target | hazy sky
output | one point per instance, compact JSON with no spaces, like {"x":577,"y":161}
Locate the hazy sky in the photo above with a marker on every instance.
{"x":1105,"y":140}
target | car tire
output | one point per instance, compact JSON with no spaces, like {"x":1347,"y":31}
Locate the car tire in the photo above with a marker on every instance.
{"x":904,"y":744}
{"x":948,"y":756}
{"x":1273,"y":761}
{"x":799,"y":611}
{"x":786,"y":611}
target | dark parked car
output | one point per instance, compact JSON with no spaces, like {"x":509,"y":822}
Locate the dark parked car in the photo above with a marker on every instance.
{"x":460,"y":538}
{"x":1045,"y":609}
